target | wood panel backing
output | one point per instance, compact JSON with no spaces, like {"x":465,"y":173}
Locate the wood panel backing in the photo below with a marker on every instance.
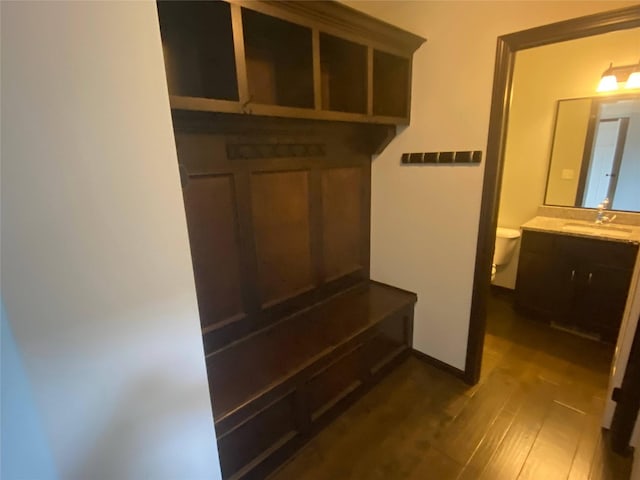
{"x":212,"y":223}
{"x":280,"y":203}
{"x":295,"y":228}
{"x":342,"y":221}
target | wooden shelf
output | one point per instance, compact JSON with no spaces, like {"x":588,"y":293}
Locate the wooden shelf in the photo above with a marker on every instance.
{"x":391,"y":81}
{"x":279,"y":61}
{"x":198,"y":47}
{"x":286,"y":59}
{"x":199,"y":104}
{"x":343,"y":75}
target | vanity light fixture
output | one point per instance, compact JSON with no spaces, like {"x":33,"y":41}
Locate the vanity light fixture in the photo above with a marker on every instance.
{"x":634,"y":79}
{"x":612,"y":76}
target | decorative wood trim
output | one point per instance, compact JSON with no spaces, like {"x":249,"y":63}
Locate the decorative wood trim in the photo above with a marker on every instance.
{"x":387,"y":120}
{"x":339,"y":20}
{"x":224,"y":323}
{"x":200,"y":104}
{"x":380,"y":137}
{"x":507,"y":47}
{"x":309,"y":113}
{"x":252,"y":150}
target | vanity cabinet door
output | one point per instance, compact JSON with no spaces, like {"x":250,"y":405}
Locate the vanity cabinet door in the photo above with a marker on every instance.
{"x":600,"y":307}
{"x":543,"y":284}
{"x":580,"y":283}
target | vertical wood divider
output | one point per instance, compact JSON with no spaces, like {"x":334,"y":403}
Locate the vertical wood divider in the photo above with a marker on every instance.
{"x":316,"y":225}
{"x":249,"y":262}
{"x":407,"y":112}
{"x":366,"y":220}
{"x":317,"y":69}
{"x":241,"y":61}
{"x":369,"y":80}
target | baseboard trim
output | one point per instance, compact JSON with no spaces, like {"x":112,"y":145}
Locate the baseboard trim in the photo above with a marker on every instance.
{"x":434,"y":362}
{"x":504,"y":291}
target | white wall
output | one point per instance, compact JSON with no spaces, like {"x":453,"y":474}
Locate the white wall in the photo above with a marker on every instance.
{"x":104,"y":366}
{"x":425,"y":219}
{"x":576,"y":68}
{"x":25,"y":450}
{"x":566,"y":152}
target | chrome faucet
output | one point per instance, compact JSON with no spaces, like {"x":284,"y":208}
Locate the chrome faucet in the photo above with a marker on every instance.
{"x":601,"y":218}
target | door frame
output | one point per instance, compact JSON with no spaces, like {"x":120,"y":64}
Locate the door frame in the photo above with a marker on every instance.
{"x":507,"y":46}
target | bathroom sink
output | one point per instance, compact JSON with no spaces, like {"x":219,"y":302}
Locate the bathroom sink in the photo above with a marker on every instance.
{"x":601,"y":230}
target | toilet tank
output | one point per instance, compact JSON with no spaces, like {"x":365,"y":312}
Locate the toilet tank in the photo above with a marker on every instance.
{"x":506,"y":241}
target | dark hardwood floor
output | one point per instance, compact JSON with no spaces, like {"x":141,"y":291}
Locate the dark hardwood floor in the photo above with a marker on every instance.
{"x":534,"y":415}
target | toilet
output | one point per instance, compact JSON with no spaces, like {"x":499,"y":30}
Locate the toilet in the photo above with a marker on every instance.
{"x":506,"y":241}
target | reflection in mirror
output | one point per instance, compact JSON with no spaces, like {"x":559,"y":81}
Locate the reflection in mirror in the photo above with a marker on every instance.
{"x":596,"y":153}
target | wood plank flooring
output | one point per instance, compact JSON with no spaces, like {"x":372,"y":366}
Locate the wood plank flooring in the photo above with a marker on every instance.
{"x":535,"y":415}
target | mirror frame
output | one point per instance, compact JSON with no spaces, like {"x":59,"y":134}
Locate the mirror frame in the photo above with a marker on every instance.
{"x":507,"y":46}
{"x":596,"y":102}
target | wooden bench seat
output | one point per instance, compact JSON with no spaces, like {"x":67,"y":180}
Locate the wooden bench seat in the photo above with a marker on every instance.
{"x":274,"y":389}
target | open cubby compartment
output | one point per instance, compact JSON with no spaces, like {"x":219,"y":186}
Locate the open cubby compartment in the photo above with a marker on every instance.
{"x":199,"y":56}
{"x":343,"y":74}
{"x":279,"y":61}
{"x":390,"y":85}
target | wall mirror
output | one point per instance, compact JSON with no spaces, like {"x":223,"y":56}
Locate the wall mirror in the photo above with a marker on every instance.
{"x":596,"y":153}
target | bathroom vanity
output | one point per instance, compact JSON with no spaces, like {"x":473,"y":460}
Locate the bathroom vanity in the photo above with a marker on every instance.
{"x":576,"y":275}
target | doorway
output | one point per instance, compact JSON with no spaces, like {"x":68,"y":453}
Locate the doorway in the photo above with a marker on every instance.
{"x":507,"y":48}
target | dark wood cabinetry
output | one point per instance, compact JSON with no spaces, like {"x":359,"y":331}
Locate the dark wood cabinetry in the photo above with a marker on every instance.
{"x":579,"y":283}
{"x":314,"y":60}
{"x":294,"y":330}
{"x":277,"y":108}
{"x":272,"y":392}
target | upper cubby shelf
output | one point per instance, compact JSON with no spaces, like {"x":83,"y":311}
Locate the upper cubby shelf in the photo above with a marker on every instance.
{"x":391,"y":82}
{"x":279,"y":62}
{"x":197,"y":40}
{"x":315,"y":60}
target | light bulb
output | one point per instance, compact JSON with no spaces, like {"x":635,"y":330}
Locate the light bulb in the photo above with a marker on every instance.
{"x":608,"y":83}
{"x":634,"y":80}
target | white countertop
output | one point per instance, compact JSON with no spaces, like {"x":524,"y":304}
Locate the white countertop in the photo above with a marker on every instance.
{"x":580,"y":228}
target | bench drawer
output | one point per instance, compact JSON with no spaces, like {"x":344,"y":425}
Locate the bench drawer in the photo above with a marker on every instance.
{"x":258,"y":437}
{"x":335,"y":382}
